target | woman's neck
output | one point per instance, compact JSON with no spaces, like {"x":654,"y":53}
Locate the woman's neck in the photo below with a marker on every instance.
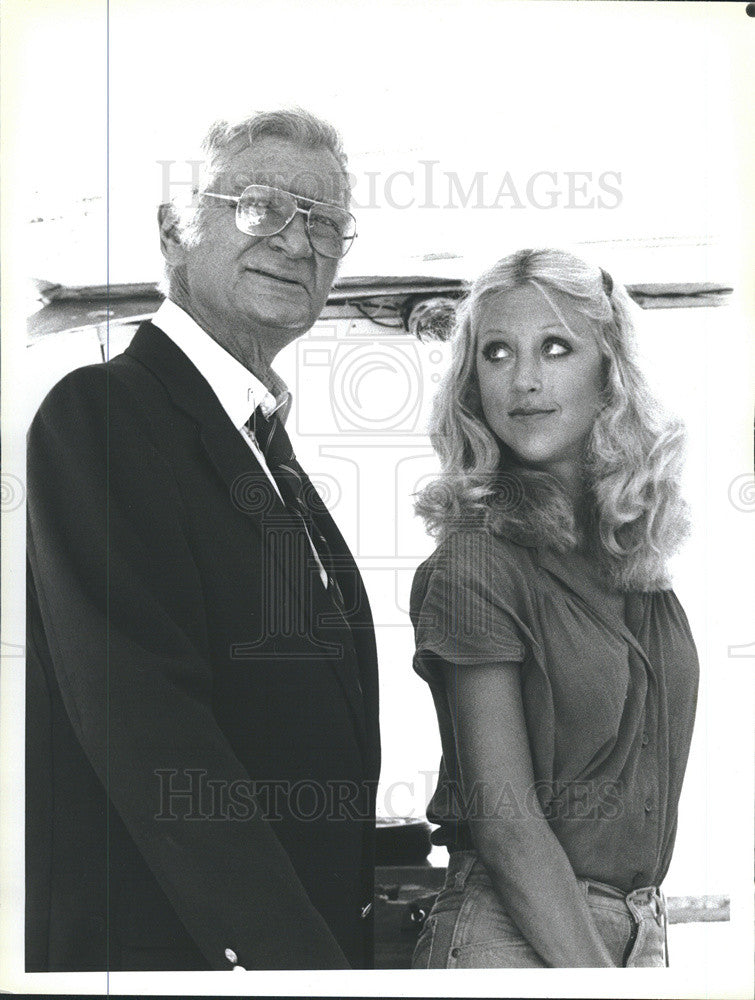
{"x":572,"y":480}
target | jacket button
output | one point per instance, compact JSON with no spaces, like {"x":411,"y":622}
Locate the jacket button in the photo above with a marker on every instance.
{"x":645,"y":739}
{"x":366,"y":911}
{"x":454,"y":953}
{"x":648,"y":805}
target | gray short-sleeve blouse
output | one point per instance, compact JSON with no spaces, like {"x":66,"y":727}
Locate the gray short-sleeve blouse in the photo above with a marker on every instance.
{"x":609,"y":686}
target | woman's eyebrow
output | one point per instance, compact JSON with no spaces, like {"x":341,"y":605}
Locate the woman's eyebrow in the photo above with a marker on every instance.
{"x":497,"y":330}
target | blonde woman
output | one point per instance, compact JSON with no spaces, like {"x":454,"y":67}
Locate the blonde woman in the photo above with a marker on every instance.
{"x":561,"y":663}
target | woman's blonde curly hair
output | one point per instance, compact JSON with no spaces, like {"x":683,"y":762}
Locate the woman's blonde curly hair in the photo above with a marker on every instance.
{"x":635,"y":517}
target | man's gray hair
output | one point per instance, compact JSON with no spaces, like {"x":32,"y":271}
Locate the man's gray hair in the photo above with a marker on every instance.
{"x":295,"y":125}
{"x":224,"y":140}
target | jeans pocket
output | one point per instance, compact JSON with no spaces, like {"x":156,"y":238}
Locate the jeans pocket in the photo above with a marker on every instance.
{"x":649,"y":950}
{"x":616,"y":928}
{"x":487,"y":937}
{"x":510,"y":953}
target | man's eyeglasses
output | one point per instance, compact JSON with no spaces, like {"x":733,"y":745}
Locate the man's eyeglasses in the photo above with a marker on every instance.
{"x":265,"y":211}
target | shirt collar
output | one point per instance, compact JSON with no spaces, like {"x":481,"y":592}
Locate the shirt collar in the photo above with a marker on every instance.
{"x":239,"y":390}
{"x":573,"y":570}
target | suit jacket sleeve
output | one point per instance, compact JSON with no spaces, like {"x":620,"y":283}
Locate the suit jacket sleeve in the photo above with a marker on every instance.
{"x":121,"y":603}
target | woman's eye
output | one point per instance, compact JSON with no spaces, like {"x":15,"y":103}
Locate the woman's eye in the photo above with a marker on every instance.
{"x":555,"y":348}
{"x":496,"y":351}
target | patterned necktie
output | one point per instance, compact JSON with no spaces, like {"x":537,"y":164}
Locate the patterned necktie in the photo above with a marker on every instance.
{"x":298,"y":494}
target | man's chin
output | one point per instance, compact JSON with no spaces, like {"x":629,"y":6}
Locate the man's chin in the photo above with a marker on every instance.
{"x":288,"y":308}
{"x":289,"y":323}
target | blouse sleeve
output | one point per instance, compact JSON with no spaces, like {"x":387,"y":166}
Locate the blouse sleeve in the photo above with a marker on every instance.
{"x":462,"y":608}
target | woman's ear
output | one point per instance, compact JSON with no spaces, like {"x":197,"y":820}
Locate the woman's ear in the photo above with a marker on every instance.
{"x":171,"y":245}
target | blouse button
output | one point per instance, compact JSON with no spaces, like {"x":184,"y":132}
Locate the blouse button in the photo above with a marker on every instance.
{"x":645,"y":739}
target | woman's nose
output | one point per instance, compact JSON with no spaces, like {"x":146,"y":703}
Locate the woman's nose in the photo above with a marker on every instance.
{"x":528,"y":374}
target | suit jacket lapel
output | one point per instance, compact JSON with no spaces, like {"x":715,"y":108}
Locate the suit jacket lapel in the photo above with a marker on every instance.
{"x":354,"y":673}
{"x":250,"y":491}
{"x":190,"y":392}
{"x":359,"y":617}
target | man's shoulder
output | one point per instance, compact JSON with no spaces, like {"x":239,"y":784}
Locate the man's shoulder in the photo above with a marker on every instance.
{"x":103,"y":405}
{"x":119,"y":382}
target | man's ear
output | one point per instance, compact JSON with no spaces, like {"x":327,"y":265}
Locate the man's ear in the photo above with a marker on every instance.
{"x":170,"y":234}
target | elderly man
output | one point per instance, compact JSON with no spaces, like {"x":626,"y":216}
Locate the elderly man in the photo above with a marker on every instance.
{"x":202,"y":729}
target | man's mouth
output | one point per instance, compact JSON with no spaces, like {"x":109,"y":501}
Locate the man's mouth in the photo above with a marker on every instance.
{"x":273,"y":276}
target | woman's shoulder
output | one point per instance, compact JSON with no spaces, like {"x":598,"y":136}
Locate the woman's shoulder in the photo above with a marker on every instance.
{"x":469,"y":601}
{"x":475,"y":559}
{"x":469,"y":549}
{"x":659,"y":605}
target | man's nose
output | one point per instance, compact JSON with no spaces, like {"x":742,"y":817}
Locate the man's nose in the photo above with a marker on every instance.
{"x":528,"y":375}
{"x":293,"y":239}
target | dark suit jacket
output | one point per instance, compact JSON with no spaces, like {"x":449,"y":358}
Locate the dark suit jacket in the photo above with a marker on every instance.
{"x":202,"y":737}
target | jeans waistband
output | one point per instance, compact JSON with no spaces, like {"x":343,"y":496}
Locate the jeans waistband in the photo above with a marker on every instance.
{"x":646,"y":900}
{"x":460,"y":864}
{"x":648,"y":897}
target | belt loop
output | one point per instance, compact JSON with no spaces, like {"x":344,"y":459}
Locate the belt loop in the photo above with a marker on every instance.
{"x":468,"y":863}
{"x":660,"y":906}
{"x":665,"y":938}
{"x":664,"y":920}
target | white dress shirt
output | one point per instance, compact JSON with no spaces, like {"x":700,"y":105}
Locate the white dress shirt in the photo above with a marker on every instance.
{"x":238,"y":390}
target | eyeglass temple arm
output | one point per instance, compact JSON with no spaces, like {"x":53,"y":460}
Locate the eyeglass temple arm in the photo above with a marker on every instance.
{"x":225,"y":197}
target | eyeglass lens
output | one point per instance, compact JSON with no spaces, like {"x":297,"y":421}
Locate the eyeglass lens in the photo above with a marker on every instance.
{"x":264,"y":211}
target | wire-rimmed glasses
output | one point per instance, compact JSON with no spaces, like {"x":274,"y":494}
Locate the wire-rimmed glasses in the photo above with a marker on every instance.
{"x":264,"y":211}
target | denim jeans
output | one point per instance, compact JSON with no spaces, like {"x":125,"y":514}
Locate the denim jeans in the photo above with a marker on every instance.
{"x":468,"y":927}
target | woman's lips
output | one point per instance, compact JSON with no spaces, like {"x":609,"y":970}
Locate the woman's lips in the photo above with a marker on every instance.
{"x":522,"y":414}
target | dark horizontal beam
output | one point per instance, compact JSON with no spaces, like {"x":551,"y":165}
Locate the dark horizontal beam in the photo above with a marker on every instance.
{"x":68,"y":308}
{"x":356,"y":287}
